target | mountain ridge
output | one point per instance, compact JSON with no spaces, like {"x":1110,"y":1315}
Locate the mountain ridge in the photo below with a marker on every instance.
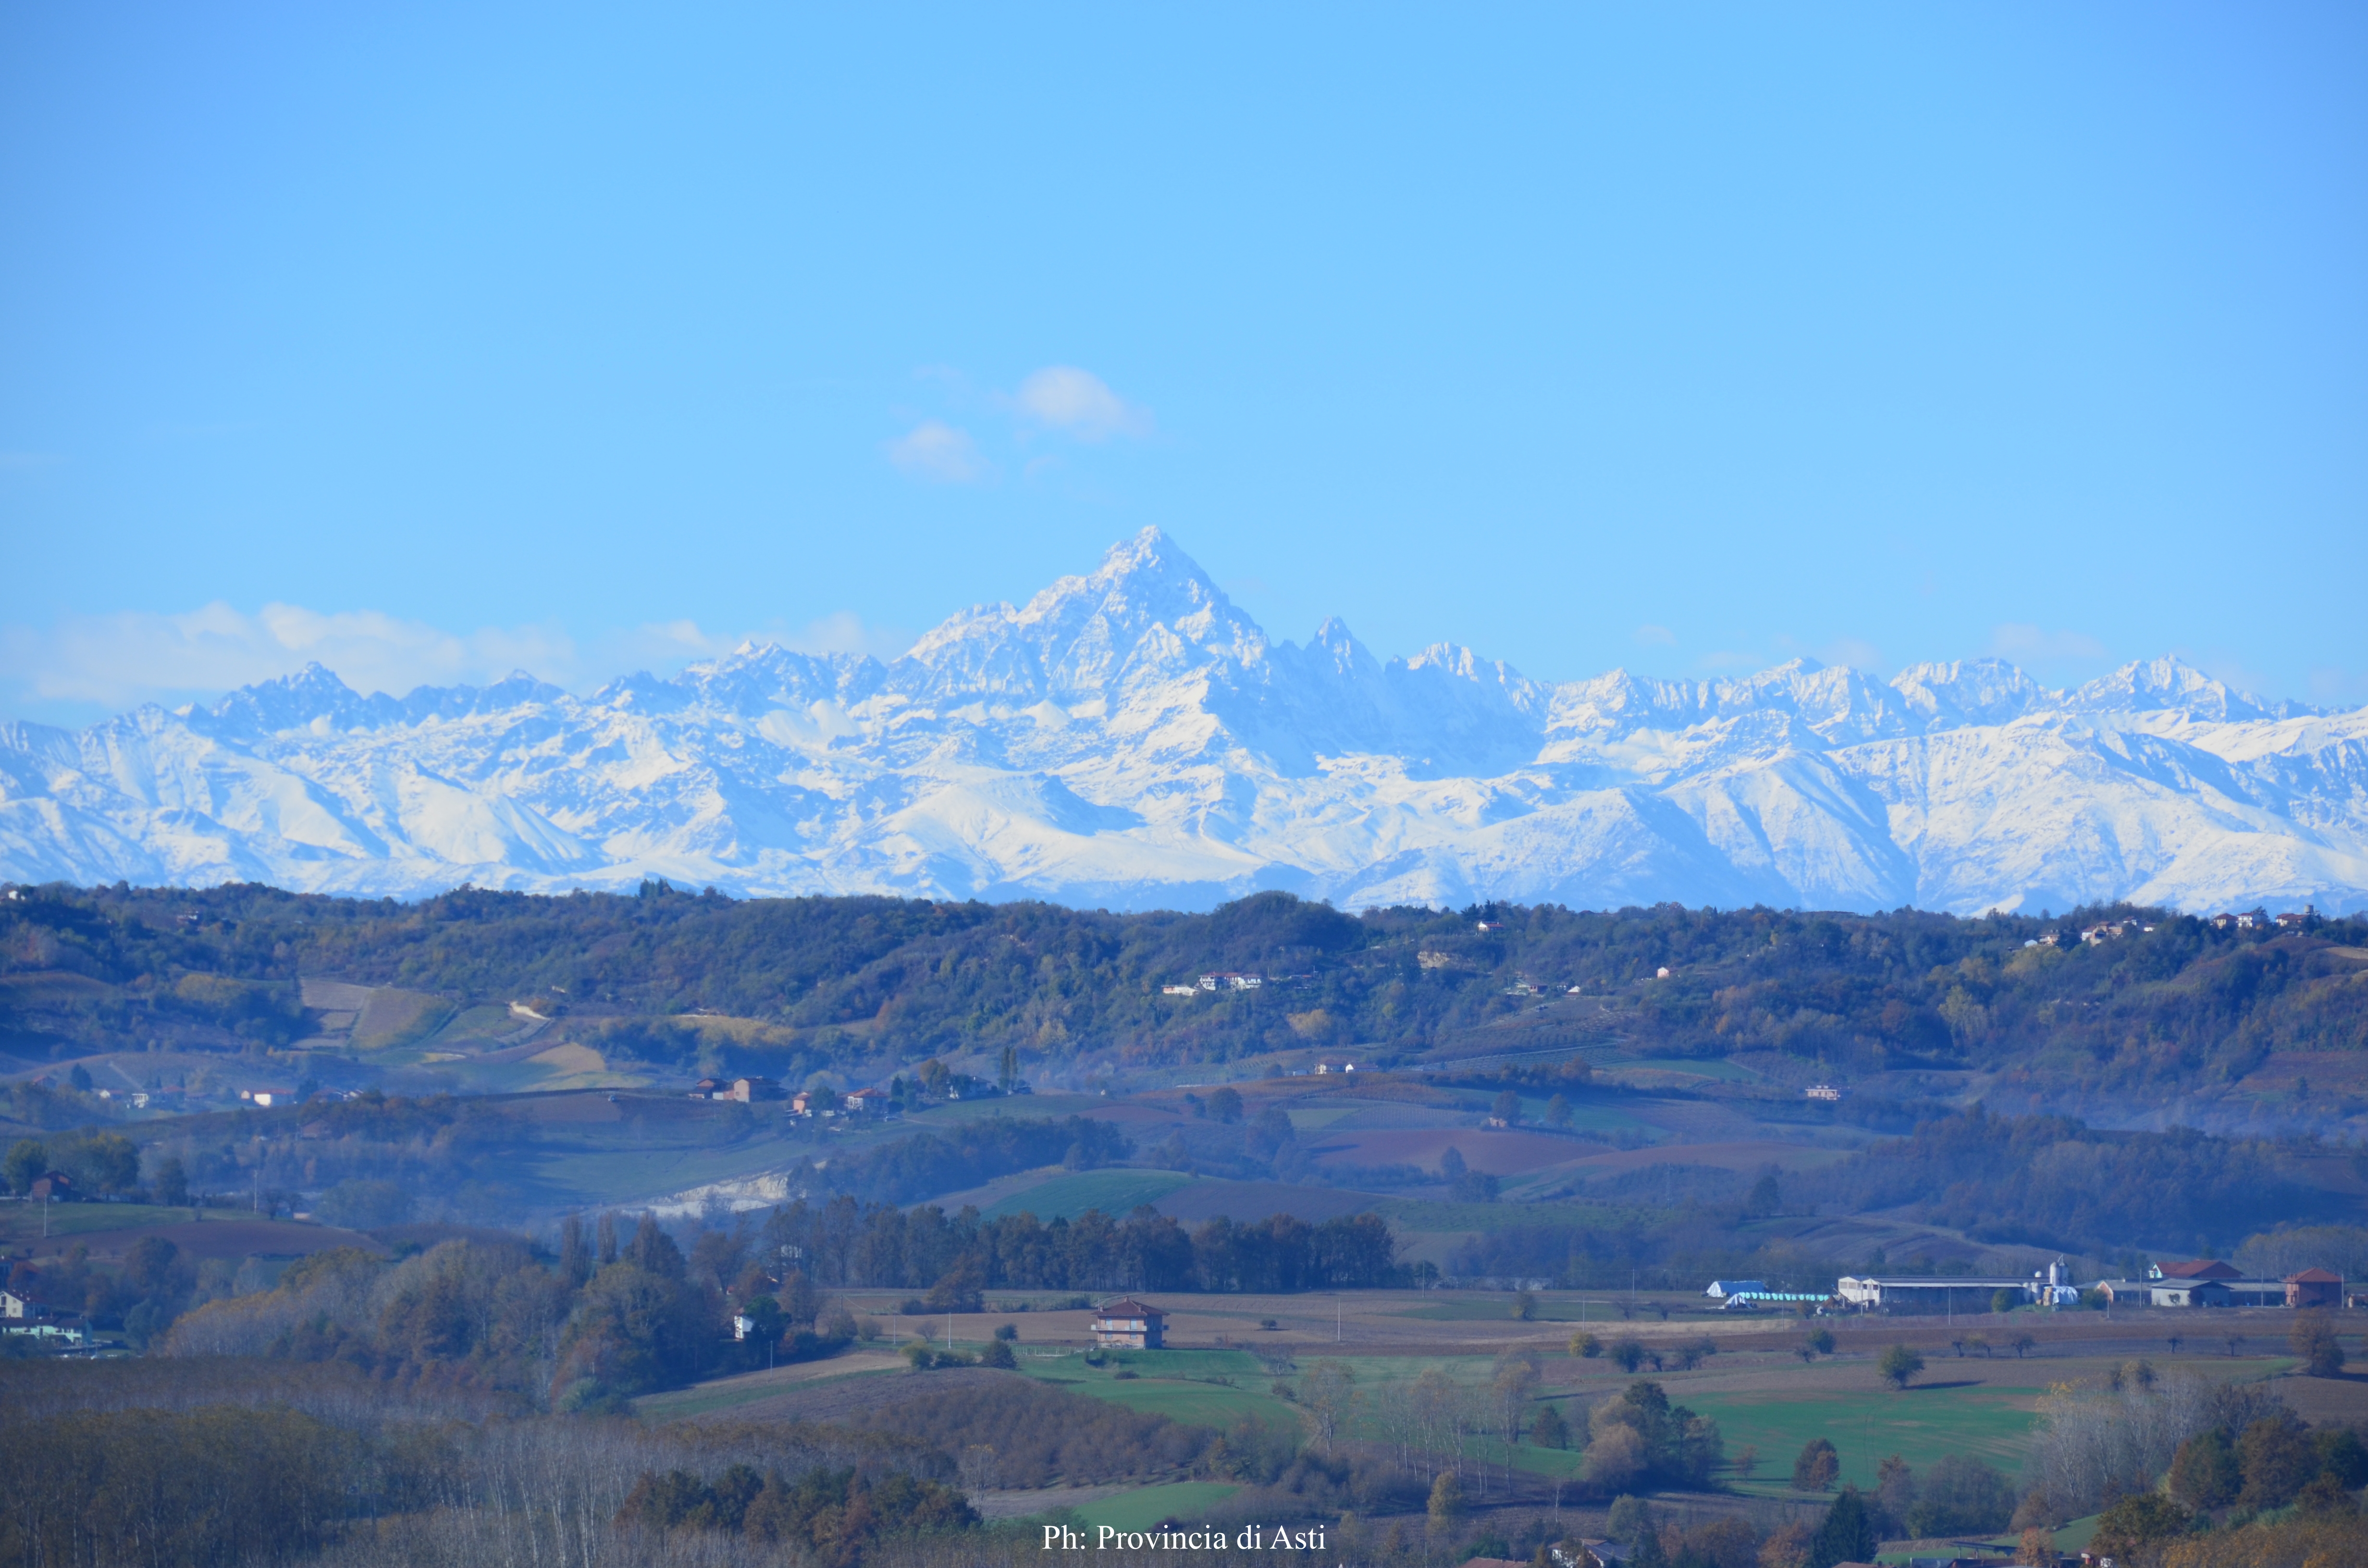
{"x":1130,"y":737}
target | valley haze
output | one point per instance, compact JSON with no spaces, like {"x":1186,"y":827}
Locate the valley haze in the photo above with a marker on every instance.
{"x":1130,"y":739}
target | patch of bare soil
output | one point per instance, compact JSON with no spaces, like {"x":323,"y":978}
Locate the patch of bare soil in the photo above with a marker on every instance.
{"x":2326,"y":1401}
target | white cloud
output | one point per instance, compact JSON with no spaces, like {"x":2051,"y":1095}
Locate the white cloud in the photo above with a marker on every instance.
{"x":136,"y":656}
{"x":666,"y":646}
{"x":1080,"y":404}
{"x":108,"y":662}
{"x":1856,"y":652}
{"x":847,"y":632}
{"x":940,"y":452}
{"x":2019,"y":641}
{"x":1656,"y":636}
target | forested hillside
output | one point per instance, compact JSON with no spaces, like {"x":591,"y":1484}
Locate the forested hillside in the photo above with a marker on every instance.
{"x":867,"y":980}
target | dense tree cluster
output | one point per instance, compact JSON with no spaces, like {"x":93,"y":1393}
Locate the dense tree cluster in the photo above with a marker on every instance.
{"x":826,"y":978}
{"x":593,"y":1326}
{"x":1641,"y":1441}
{"x":832,"y":1518}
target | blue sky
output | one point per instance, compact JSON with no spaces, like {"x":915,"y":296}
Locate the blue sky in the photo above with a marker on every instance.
{"x":432,"y":341}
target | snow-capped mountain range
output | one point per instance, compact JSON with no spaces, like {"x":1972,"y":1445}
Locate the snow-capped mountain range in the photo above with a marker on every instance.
{"x":1131,"y":739}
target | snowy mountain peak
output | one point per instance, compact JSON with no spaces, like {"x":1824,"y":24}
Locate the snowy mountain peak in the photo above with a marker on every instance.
{"x":1129,"y":737}
{"x":314,"y":695}
{"x":2172,"y":685}
{"x":1148,"y":614}
{"x":1335,"y":650}
{"x":1967,"y":691}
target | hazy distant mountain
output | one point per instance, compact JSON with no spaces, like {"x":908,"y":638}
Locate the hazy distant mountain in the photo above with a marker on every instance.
{"x":1131,"y":739}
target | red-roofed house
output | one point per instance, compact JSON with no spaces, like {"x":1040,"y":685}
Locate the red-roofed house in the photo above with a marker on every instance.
{"x":1129,"y":1323}
{"x":2198,"y":1269}
{"x":2314,"y":1288}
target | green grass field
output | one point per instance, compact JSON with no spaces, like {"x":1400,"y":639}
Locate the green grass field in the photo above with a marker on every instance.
{"x":1194,"y":1404}
{"x":1588,"y":1116}
{"x":1919,"y":1426}
{"x":613,"y":1168}
{"x":1187,"y":1365}
{"x":1114,"y":1192}
{"x":1141,"y":1508}
{"x":1309,"y":1120}
{"x":484,"y":1021}
{"x":1725,"y":1071}
{"x":1036,"y":1107}
{"x":22,"y":1222}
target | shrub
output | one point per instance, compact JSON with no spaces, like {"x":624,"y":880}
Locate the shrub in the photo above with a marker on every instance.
{"x":1961,"y":1495}
{"x":2137,"y":1524}
{"x":1818,"y":1468}
{"x":2315,"y":1343}
{"x":2277,"y":1459}
{"x":1847,"y":1534}
{"x":1549,"y":1430}
{"x":1446,"y":1499}
{"x":2203,"y":1474}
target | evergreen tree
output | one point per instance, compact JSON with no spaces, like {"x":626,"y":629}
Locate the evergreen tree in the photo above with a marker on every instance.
{"x":574,"y":1261}
{"x":1847,"y":1535}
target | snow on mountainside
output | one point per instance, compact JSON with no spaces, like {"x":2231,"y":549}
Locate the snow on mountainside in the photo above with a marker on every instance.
{"x":1131,"y":739}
